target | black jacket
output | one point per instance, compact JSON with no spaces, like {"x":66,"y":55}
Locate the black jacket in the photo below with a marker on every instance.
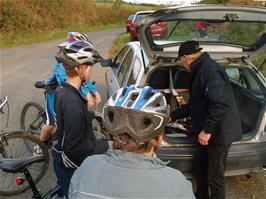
{"x":212,"y":105}
{"x":74,"y":127}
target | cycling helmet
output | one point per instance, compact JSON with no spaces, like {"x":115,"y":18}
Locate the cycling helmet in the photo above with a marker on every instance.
{"x":139,"y":112}
{"x":72,"y":54}
{"x":77,"y":36}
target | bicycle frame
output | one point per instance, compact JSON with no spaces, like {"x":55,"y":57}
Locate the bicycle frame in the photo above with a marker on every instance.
{"x":37,"y":194}
{"x":33,"y":125}
{"x":4,"y":102}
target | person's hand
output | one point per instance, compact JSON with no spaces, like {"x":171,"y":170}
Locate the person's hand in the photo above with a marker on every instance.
{"x":98,"y":98}
{"x":203,"y":138}
{"x":90,"y":101}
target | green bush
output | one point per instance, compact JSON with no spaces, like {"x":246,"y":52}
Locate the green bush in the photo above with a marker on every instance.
{"x":27,"y":21}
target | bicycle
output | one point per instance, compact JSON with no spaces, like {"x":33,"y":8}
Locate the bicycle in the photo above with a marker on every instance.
{"x":21,"y":166}
{"x":12,"y":146}
{"x":33,"y":115}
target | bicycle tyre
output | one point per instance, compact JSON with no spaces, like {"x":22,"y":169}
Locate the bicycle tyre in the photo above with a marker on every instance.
{"x":31,"y":112}
{"x":17,"y":139}
{"x":40,"y":112}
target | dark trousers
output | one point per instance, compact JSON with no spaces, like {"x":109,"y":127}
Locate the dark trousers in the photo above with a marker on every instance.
{"x":63,"y":175}
{"x":210,"y":166}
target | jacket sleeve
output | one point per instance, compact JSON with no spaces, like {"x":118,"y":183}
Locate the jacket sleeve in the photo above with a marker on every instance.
{"x":75,"y":146}
{"x":60,"y":73}
{"x":218,"y":99}
{"x":182,"y":112}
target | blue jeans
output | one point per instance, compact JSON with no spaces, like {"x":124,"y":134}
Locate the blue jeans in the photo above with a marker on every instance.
{"x":63,"y":175}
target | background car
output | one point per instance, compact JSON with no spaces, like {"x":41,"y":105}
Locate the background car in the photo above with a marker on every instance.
{"x":137,"y":17}
{"x":158,"y":30}
{"x":128,"y":23}
{"x":154,"y":63}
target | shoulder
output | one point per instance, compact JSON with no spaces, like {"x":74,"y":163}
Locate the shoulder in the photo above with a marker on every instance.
{"x":89,"y":165}
{"x":174,"y":173}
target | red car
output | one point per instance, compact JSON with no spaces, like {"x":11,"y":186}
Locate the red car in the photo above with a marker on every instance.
{"x":129,"y":21}
{"x":137,"y":17}
{"x":158,"y":30}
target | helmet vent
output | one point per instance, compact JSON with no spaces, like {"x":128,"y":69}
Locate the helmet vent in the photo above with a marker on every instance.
{"x":88,"y":49}
{"x":146,"y":122}
{"x":83,"y":57}
{"x":111,"y":116}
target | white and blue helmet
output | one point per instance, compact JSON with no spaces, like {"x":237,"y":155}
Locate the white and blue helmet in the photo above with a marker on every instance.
{"x":138,"y":112}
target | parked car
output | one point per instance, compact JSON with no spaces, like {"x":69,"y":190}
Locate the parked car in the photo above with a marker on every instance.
{"x":158,"y":30}
{"x":152,"y":62}
{"x":137,"y":17}
{"x":128,"y":23}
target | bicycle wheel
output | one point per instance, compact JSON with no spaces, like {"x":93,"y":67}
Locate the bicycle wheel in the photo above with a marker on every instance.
{"x":32,"y":118}
{"x":12,"y":146}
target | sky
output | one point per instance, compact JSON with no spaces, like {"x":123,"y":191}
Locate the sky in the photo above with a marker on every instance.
{"x":172,"y":2}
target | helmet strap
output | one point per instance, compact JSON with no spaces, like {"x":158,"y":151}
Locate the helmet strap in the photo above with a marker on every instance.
{"x":82,"y":77}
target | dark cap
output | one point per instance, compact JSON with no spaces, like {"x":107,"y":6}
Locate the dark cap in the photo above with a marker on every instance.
{"x":188,"y":48}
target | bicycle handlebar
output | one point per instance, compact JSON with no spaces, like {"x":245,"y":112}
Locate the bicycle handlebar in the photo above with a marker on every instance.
{"x":3,"y":101}
{"x":40,"y":84}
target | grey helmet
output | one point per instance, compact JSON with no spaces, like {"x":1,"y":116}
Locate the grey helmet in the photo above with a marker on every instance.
{"x":72,"y":54}
{"x":139,"y":112}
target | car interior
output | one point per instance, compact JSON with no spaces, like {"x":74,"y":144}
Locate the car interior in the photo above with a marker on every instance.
{"x":250,"y":98}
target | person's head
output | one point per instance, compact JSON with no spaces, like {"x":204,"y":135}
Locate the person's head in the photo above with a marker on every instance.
{"x":77,"y":36}
{"x":78,"y":58}
{"x":188,"y":52}
{"x":135,"y":118}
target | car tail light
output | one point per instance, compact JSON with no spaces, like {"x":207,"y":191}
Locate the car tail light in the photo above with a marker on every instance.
{"x":19,"y":180}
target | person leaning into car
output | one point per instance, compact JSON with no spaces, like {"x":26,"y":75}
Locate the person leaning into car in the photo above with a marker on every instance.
{"x":215,"y":118}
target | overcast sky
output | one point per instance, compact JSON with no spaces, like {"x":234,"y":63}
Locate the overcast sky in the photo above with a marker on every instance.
{"x":177,"y":2}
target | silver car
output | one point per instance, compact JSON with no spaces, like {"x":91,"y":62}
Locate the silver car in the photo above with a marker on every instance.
{"x":233,"y":36}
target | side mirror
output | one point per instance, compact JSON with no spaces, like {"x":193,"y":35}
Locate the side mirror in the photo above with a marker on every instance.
{"x":107,"y":63}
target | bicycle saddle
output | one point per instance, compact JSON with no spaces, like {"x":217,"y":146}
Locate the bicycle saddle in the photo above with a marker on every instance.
{"x":40,"y":84}
{"x":18,"y":165}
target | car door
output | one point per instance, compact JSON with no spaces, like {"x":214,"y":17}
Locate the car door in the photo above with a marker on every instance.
{"x":112,"y":72}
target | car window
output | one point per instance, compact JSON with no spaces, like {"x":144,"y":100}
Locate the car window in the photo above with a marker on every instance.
{"x":245,"y":78}
{"x":119,"y":58}
{"x":134,"y":72}
{"x":236,"y":77}
{"x":125,"y":67}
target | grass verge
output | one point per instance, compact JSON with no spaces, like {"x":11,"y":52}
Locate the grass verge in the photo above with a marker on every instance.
{"x":28,"y":38}
{"x":117,"y":45}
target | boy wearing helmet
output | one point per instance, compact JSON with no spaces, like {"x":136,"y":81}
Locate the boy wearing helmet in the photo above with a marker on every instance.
{"x":59,"y":76}
{"x":76,"y":139}
{"x":135,"y":119}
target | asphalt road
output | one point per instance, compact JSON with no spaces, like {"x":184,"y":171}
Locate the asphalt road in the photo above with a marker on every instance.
{"x":22,"y":66}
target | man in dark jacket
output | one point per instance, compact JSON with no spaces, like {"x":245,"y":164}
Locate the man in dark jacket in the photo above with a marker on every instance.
{"x":215,"y":118}
{"x":76,"y":140}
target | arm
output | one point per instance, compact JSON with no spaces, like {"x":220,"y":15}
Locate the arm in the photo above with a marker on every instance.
{"x":182,"y":112}
{"x":77,"y":146}
{"x":90,"y":100}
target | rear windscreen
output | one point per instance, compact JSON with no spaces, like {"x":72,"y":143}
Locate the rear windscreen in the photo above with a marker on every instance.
{"x":239,"y":33}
